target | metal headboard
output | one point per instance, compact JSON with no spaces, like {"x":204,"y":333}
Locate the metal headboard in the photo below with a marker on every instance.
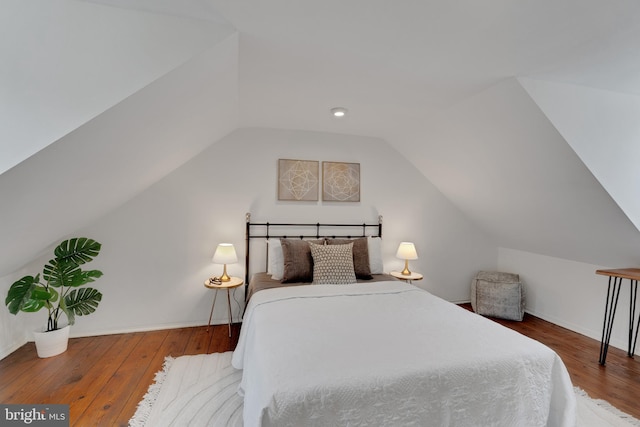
{"x":262,"y":230}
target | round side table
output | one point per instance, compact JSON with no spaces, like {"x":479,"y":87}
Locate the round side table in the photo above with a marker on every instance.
{"x":231,"y":284}
{"x":407,"y":278}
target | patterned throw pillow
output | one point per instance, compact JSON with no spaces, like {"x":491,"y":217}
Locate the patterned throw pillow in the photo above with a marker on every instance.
{"x":360,"y":255}
{"x":332,"y":264}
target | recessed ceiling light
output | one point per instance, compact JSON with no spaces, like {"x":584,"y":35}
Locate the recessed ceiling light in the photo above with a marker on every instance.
{"x":338,"y":112}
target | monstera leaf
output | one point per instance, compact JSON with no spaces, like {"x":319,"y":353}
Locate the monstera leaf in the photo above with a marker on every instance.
{"x":65,"y":270}
{"x":59,"y":273}
{"x":77,"y":251}
{"x":27,"y":294}
{"x":81,"y":302}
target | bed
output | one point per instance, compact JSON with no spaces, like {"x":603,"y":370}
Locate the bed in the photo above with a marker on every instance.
{"x":388,"y":353}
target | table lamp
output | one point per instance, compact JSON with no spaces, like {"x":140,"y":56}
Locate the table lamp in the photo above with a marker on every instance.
{"x":225,"y":254}
{"x":406,"y":251}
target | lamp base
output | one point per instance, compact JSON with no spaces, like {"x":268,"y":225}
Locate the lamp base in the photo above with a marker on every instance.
{"x":406,"y":271}
{"x":225,"y":277}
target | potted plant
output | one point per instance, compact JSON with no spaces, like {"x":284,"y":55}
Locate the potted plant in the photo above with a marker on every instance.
{"x":60,"y":291}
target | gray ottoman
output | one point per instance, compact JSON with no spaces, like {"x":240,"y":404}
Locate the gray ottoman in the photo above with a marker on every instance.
{"x":497,"y":294}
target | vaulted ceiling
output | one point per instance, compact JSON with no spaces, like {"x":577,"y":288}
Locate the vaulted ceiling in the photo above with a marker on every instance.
{"x":523,"y":113}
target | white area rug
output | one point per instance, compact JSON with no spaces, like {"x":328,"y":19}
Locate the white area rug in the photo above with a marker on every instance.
{"x":193,"y":391}
{"x":599,"y":413}
{"x":201,"y":391}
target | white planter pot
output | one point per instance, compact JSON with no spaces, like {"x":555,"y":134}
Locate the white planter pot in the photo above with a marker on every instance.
{"x":51,"y":343}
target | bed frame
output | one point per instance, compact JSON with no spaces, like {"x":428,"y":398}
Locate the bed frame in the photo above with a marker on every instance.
{"x":263,"y":230}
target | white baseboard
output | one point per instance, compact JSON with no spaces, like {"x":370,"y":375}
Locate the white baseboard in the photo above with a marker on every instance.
{"x":150,"y":328}
{"x":596,"y":335}
{"x":4,"y":352}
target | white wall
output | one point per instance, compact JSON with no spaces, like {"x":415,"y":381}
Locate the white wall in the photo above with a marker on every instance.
{"x":568,"y":293}
{"x":157,"y":248}
{"x":12,"y":328}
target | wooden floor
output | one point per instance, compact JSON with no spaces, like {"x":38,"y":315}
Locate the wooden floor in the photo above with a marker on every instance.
{"x":103,"y":378}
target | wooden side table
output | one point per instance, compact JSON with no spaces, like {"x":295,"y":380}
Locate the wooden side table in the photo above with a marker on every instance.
{"x":613,"y":292}
{"x":231,"y":284}
{"x":407,"y":278}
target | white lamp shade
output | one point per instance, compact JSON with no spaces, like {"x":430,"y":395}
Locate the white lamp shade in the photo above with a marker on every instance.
{"x":225,"y":254}
{"x":407,"y":250}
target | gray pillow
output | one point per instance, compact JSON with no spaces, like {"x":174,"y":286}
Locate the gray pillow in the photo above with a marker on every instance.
{"x":298,"y":263}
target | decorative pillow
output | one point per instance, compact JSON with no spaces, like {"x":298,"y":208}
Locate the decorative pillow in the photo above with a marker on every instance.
{"x":360,"y":255}
{"x":298,"y":263}
{"x":332,"y":264}
{"x":276,"y":259}
{"x":375,"y":255}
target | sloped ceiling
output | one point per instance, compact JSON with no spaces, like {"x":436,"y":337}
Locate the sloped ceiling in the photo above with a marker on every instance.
{"x":393,"y":64}
{"x":65,"y":62}
{"x":441,"y":81}
{"x":136,"y":140}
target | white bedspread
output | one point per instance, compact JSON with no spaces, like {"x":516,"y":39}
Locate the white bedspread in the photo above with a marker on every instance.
{"x":390,"y":354}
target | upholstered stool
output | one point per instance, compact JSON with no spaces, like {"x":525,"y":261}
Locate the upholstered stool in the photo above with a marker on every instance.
{"x":497,"y":294}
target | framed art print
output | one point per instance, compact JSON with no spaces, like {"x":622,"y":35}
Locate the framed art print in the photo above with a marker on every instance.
{"x":298,"y":180}
{"x":340,"y":182}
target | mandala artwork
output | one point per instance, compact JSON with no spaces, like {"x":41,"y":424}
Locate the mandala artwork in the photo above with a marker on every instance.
{"x":297,"y":180}
{"x":341,"y":182}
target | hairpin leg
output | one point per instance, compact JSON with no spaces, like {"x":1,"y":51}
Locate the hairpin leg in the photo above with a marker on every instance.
{"x":212,"y":306}
{"x":613,"y":292}
{"x":229,"y":307}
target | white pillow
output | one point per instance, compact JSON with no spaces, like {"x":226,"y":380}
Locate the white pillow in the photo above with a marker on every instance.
{"x":375,"y":255}
{"x":276,"y":259}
